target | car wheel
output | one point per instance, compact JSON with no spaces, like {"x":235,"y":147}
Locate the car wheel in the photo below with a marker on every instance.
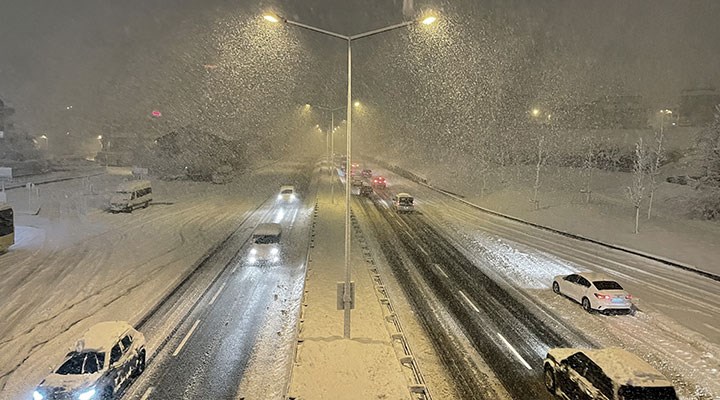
{"x":586,"y":304}
{"x":556,"y":288}
{"x":549,"y":378}
{"x":140,"y":367}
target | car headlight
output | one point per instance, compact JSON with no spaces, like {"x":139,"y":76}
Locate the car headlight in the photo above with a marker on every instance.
{"x":292,"y":197}
{"x":253,"y":251}
{"x":252,"y":260}
{"x":37,"y":395}
{"x":87,"y":395}
{"x":274,"y":251}
{"x":279,"y":197}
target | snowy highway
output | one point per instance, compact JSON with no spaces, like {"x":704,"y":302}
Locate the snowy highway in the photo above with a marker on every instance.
{"x":494,"y":276}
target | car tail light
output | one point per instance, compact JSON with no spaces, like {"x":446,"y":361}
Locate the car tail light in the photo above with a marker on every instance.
{"x":629,"y":297}
{"x":602,"y":296}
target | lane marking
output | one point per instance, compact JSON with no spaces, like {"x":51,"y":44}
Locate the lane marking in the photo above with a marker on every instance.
{"x":234,"y":268}
{"x":424,"y":252}
{"x":437,"y":266}
{"x":177,"y":351}
{"x":512,"y":349}
{"x":147,"y":393}
{"x":217,"y":294}
{"x":712,"y":327}
{"x":477,"y":310}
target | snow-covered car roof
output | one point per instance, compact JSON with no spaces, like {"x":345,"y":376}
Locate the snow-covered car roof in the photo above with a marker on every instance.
{"x":287,"y":187}
{"x":104,"y":335}
{"x":618,"y":364}
{"x":404,"y":195}
{"x":268,"y":228}
{"x":131,"y":186}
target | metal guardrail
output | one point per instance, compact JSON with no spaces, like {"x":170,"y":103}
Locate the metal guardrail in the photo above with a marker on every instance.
{"x":422,"y":181}
{"x":418,"y":389}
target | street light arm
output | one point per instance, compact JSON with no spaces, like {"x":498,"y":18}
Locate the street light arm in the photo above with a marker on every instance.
{"x":382,"y":30}
{"x":314,"y":29}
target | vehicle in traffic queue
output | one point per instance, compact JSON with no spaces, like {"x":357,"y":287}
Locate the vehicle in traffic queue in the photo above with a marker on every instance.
{"x":107,"y":356}
{"x":7,"y":227}
{"x":379,"y":182}
{"x":594,"y":291}
{"x":366,"y":189}
{"x":366,"y":173}
{"x":265,"y":246}
{"x":403,"y":203}
{"x":603,"y":374}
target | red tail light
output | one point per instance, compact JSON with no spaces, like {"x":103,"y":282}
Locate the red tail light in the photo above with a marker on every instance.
{"x":602,"y":296}
{"x":629,"y":297}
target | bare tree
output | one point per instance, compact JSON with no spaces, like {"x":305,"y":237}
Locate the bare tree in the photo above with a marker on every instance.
{"x":541,"y":159}
{"x":709,"y":143}
{"x":589,"y":163}
{"x":636,"y":190}
{"x":656,"y":158}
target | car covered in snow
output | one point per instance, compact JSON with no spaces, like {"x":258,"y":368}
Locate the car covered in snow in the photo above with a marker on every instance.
{"x":593,"y":291}
{"x":287,"y":193}
{"x":366,"y":173}
{"x":603,"y":374}
{"x":131,"y":195}
{"x":104,"y":360}
{"x":265,"y":246}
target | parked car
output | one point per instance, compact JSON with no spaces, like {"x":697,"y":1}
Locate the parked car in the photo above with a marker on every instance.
{"x":287,"y":194}
{"x":104,"y":360}
{"x":593,"y":291}
{"x":379,"y":182}
{"x":603,"y":374}
{"x":131,"y":195}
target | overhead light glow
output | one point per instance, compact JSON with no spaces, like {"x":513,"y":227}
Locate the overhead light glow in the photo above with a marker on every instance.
{"x":429,"y":20}
{"x":271,"y":18}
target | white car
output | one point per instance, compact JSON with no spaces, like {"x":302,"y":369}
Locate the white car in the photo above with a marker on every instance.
{"x":265,"y":248}
{"x":603,"y":374}
{"x":104,"y":360}
{"x":287,"y":193}
{"x":594,"y":291}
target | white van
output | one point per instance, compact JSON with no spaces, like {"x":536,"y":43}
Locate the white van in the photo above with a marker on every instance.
{"x":265,"y":244}
{"x":287,"y":194}
{"x":131,"y":195}
{"x":403,"y":203}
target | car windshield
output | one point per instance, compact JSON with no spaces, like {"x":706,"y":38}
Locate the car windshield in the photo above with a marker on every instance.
{"x":82,"y":363}
{"x":405,"y":201}
{"x":266,"y":239}
{"x":607,"y":285}
{"x":647,"y":393}
{"x":287,"y":191}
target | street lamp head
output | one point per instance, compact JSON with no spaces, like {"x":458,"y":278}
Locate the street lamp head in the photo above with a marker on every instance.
{"x":356,"y":104}
{"x":535,"y":112}
{"x":271,"y":18}
{"x":43,"y":137}
{"x":99,"y":137}
{"x":429,"y":20}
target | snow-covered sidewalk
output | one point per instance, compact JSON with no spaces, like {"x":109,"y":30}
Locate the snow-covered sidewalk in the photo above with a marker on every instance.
{"x":327,"y":366}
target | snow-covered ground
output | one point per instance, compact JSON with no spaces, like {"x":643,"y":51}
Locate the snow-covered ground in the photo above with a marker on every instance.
{"x":676,"y":328}
{"x":74,"y":264}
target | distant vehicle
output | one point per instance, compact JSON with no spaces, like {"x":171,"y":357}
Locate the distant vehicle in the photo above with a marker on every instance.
{"x":366,"y":189}
{"x":265,"y":244}
{"x":604,"y":374}
{"x":131,"y":195}
{"x":104,"y":360}
{"x":379,"y":182}
{"x":7,"y":227}
{"x":593,"y":291}
{"x":366,"y":173}
{"x":287,"y":193}
{"x":403,"y":203}
{"x":357,"y":181}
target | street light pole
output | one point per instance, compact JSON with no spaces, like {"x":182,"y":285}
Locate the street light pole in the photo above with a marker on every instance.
{"x":429,"y":19}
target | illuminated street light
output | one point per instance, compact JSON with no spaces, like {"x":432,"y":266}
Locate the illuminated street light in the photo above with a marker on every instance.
{"x":347,"y":300}
{"x":99,"y":137}
{"x":356,"y":104}
{"x":535,"y":112}
{"x":271,"y":18}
